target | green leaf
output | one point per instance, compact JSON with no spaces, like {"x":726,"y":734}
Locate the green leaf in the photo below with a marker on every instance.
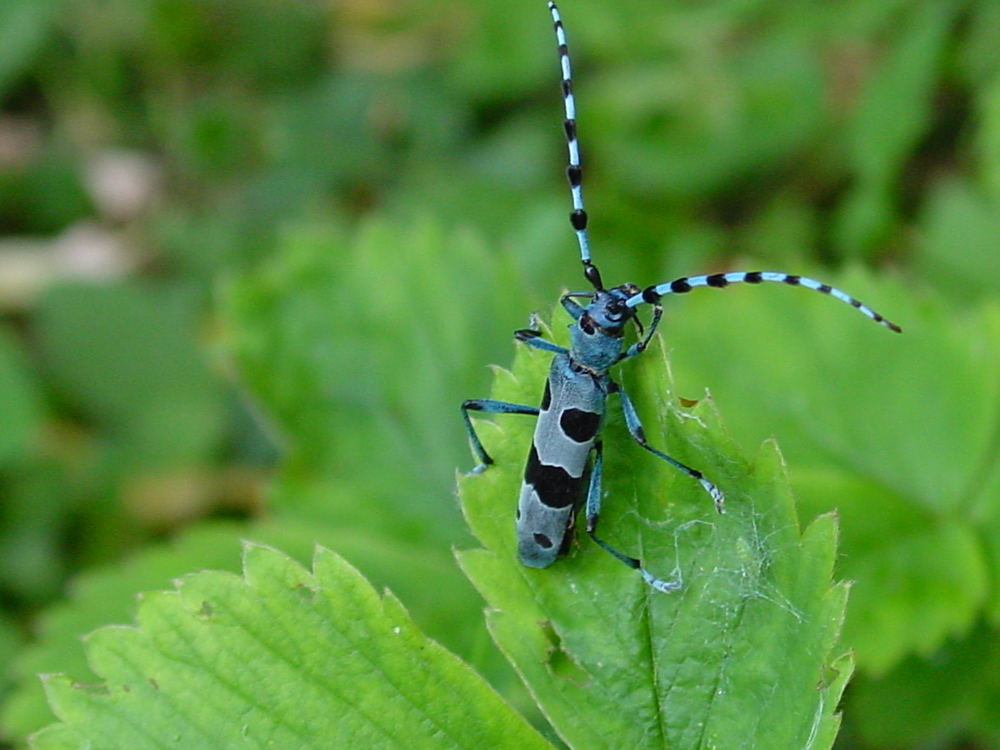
{"x":102,"y":595}
{"x":813,"y":373}
{"x":447,"y":611}
{"x":358,"y":330}
{"x":359,"y":350}
{"x":359,"y":346}
{"x":744,"y":655}
{"x":897,"y":431}
{"x":280,"y":657}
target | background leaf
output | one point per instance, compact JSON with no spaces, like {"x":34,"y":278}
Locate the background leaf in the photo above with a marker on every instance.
{"x":854,"y":412}
{"x":280,"y":656}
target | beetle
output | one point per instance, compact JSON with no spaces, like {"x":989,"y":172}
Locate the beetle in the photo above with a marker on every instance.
{"x":566,"y":440}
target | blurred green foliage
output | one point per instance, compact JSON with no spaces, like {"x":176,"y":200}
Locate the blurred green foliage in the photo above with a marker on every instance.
{"x":253,"y":255}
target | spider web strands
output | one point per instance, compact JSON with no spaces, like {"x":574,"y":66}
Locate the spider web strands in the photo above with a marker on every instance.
{"x":652,"y":294}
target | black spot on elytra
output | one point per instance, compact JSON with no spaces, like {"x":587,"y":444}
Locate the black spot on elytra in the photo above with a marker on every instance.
{"x":555,"y":487}
{"x":579,"y":425}
{"x":546,"y":397}
{"x":542,"y":540}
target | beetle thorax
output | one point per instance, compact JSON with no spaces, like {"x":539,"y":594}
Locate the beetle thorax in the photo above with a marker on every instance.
{"x":597,"y":336}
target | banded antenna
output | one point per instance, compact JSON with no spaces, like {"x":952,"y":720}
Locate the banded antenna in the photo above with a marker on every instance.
{"x":574,"y":172}
{"x":651,"y":295}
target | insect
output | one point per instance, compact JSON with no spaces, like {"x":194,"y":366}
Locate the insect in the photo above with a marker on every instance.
{"x":566,"y":451}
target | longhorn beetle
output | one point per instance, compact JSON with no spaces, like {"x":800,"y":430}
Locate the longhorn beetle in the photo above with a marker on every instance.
{"x":573,"y":403}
